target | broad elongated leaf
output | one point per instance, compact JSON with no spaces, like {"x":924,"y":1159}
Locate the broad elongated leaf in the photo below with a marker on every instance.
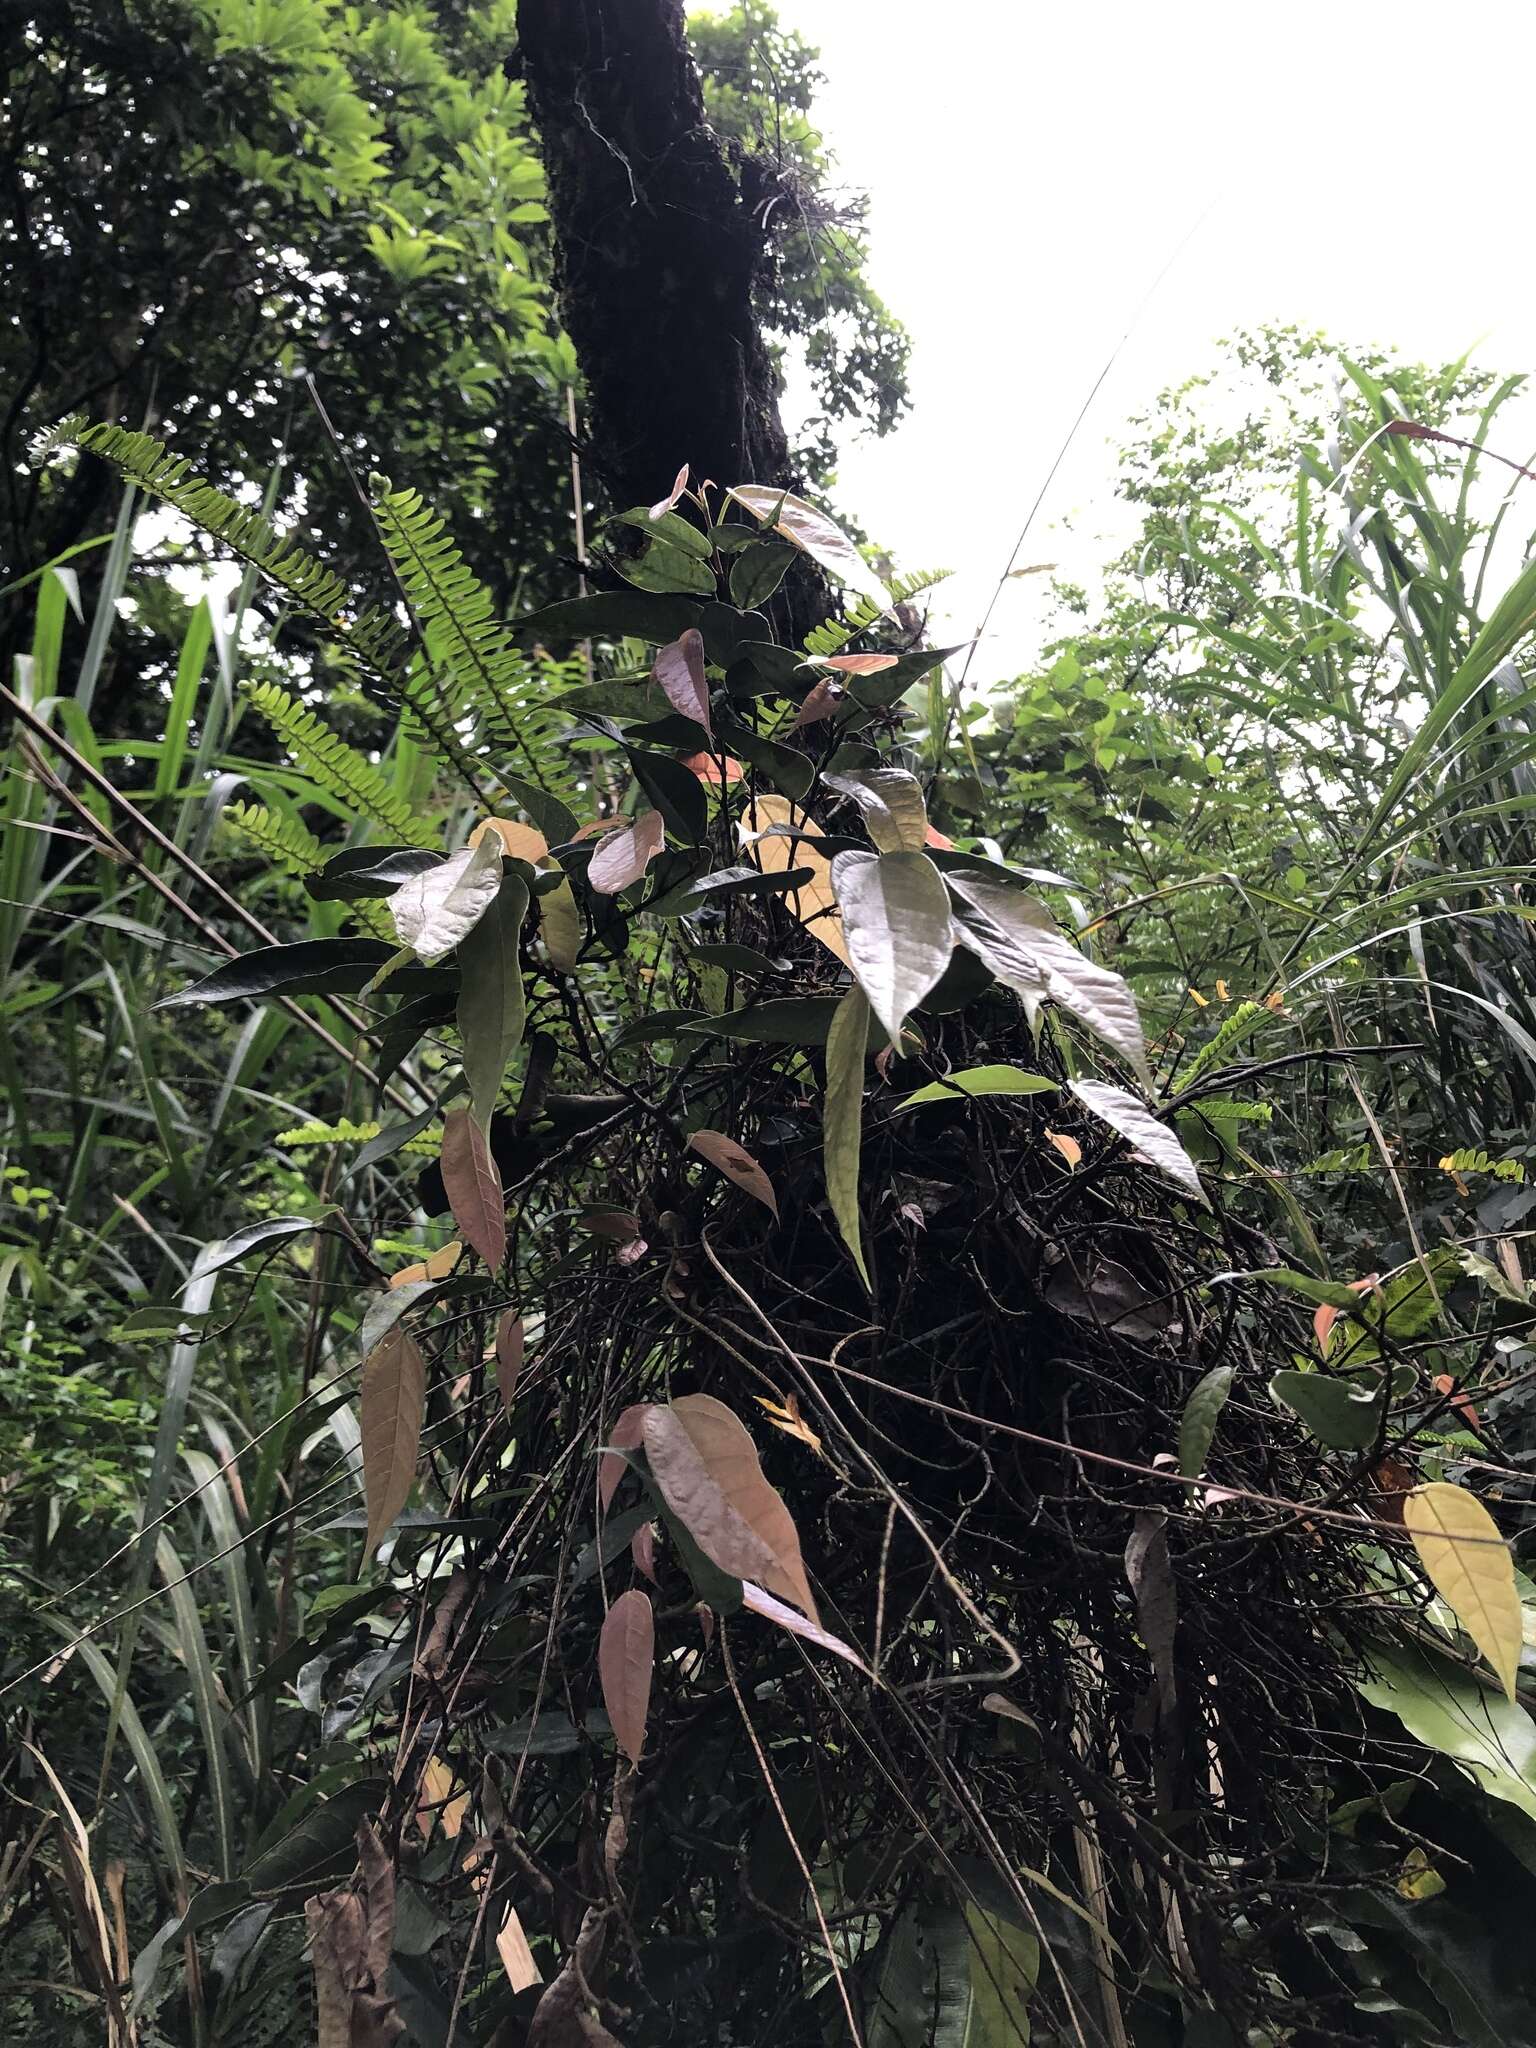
{"x":814,"y":902}
{"x":737,"y":1165}
{"x":707,"y":1469}
{"x":393,"y":1401}
{"x":1197,"y":1425}
{"x":691,"y":896}
{"x":891,"y":801}
{"x":509,"y":1356}
{"x":434,"y":911}
{"x":311,"y":967}
{"x":1017,"y":938}
{"x":473,"y":1187}
{"x":758,"y":571}
{"x":675,"y":791}
{"x":1156,"y":1143}
{"x":623,"y":857}
{"x":560,"y":926}
{"x":820,"y":537}
{"x":679,"y":668}
{"x":897,"y":926}
{"x":971,"y":1081}
{"x":1468,"y":1563}
{"x":363,"y":871}
{"x":626,"y":1658}
{"x":227,"y":1251}
{"x":492,"y":1009}
{"x":609,"y":614}
{"x":786,"y":1020}
{"x":795,"y":1624}
{"x":785,"y":767}
{"x":843,"y":1118}
{"x":1439,"y":1704}
{"x":1336,"y":1413}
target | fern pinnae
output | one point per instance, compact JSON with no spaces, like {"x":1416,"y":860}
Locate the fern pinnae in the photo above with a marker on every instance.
{"x":335,"y":766}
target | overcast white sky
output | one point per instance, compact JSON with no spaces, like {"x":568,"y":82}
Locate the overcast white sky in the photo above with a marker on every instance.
{"x":1031,"y":169}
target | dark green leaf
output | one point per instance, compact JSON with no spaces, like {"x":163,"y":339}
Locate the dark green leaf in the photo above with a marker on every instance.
{"x":758,"y":571}
{"x":368,"y":871}
{"x":1197,"y":1425}
{"x":608,"y":615}
{"x":675,"y":791}
{"x":843,"y":1116}
{"x":1333,"y":1410}
{"x":790,"y":1020}
{"x":311,"y":967}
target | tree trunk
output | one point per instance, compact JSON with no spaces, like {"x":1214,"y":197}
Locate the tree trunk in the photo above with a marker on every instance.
{"x":659,"y":250}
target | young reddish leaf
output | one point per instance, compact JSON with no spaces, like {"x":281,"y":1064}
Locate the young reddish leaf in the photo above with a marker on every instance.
{"x":679,"y":485}
{"x":519,"y":841}
{"x":623,"y":857}
{"x":679,"y":668}
{"x":642,"y":1548}
{"x":932,"y":836}
{"x":1327,"y":1315}
{"x":821,"y":538}
{"x":393,"y":1400}
{"x":707,"y":768}
{"x":627,"y":1434}
{"x":737,"y":1166}
{"x":509,"y":1356}
{"x":858,"y":664}
{"x":473,"y":1187}
{"x":621,"y":1226}
{"x":821,"y":700}
{"x":626,"y":1657}
{"x":720,"y":1495}
{"x":1069,"y":1148}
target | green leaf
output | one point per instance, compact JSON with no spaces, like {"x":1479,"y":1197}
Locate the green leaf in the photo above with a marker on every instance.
{"x":676,"y":792}
{"x":898,"y":929}
{"x":608,"y":615}
{"x":664,"y":566}
{"x":492,"y":1007}
{"x":843,"y":1117}
{"x":668,"y":526}
{"x":1447,"y":1709}
{"x":980,"y":1081}
{"x":820,"y":537}
{"x":691,"y":896}
{"x":1197,"y":1425}
{"x":1331,"y":1409}
{"x":757,"y":572}
{"x":363,"y":871}
{"x":1329,"y":1293}
{"x":321,"y":1845}
{"x":788,"y":1020}
{"x":788,"y":770}
{"x":310,"y":967}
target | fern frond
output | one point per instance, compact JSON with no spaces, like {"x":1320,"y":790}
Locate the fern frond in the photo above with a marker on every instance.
{"x":834,"y":634}
{"x":335,"y":767}
{"x":1243,"y":1022}
{"x":286,"y":842}
{"x":345,"y":1132}
{"x":1470,"y":1159}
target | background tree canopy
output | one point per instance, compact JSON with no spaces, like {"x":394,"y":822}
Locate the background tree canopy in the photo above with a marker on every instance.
{"x":712,"y":1328}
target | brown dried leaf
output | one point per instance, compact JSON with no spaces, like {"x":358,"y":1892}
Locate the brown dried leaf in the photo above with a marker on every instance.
{"x":440,"y":1264}
{"x":623,"y":857}
{"x":707,"y":1468}
{"x":519,"y":841}
{"x":473,"y":1187}
{"x":626,"y":1658}
{"x":393,"y":1400}
{"x":815,"y":901}
{"x":679,"y":668}
{"x":737,"y":1165}
{"x":786,"y":1415}
{"x":509,"y":1356}
{"x":516,"y":1956}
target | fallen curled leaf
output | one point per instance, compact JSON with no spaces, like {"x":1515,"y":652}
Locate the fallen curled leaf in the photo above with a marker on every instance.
{"x":737,"y":1165}
{"x":519,"y":841}
{"x":626,"y":1658}
{"x":1468,"y":1563}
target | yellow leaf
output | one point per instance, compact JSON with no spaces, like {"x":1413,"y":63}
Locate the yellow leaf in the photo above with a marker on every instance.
{"x":788,"y":1418}
{"x":1469,"y":1566}
{"x":437,"y":1267}
{"x":1201,"y":1002}
{"x":814,"y":902}
{"x":516,"y":1956}
{"x":1069,"y":1148}
{"x":522,"y":842}
{"x":1223,"y":991}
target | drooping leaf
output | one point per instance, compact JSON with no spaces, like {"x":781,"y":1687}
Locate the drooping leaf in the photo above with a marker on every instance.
{"x":737,"y":1165}
{"x":1468,"y":1563}
{"x":626,"y":1434}
{"x":973,"y":1081}
{"x":220,"y":1252}
{"x":820,"y":537}
{"x":560,"y":926}
{"x":843,"y":1118}
{"x":814,"y":902}
{"x":310,"y":967}
{"x":393,"y":1401}
{"x":794,"y":1623}
{"x":1018,"y":940}
{"x":897,"y":927}
{"x":707,"y":1468}
{"x":1156,"y":1143}
{"x":1197,"y":1425}
{"x":623,"y":857}
{"x":891,"y":801}
{"x":679,"y":668}
{"x":492,"y":1008}
{"x":784,"y":1020}
{"x":509,"y":1356}
{"x":473,"y":1187}
{"x":1338,"y":1414}
{"x":626,"y":1657}
{"x":609,"y":614}
{"x":434,"y":911}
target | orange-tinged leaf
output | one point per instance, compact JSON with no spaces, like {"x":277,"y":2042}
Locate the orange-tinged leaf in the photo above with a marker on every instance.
{"x":858,"y":664}
{"x":509,"y":1356}
{"x":733,"y":1482}
{"x":932,"y":836}
{"x":1069,"y":1148}
{"x":820,"y":701}
{"x":814,"y":902}
{"x":1468,"y":1563}
{"x":1223,"y":992}
{"x":623,"y":857}
{"x":1461,"y":1403}
{"x":437,"y":1801}
{"x":1327,"y":1315}
{"x":516,"y":1956}
{"x":393,"y":1400}
{"x":786,"y":1415}
{"x":435,"y":1267}
{"x":707,"y":768}
{"x":626,"y":1657}
{"x":473,"y":1187}
{"x":522,"y":842}
{"x":737,"y":1165}
{"x":1201,"y":1002}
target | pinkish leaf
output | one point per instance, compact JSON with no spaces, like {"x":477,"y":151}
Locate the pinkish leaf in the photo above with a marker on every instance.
{"x":858,"y":664}
{"x":680,"y":484}
{"x":626,"y":1657}
{"x":679,"y":668}
{"x":473,"y":1187}
{"x":642,"y":1548}
{"x":623,"y":857}
{"x":776,"y":1611}
{"x":821,"y":700}
{"x":509,"y":1356}
{"x":627,"y":1434}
